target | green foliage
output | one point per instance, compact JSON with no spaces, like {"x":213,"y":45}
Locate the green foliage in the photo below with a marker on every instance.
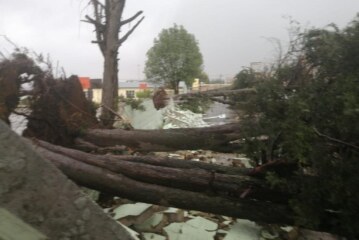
{"x":196,"y":105}
{"x":309,"y":109}
{"x":203,"y":77}
{"x":174,"y":57}
{"x":244,"y":79}
{"x":136,"y":104}
{"x":217,"y":81}
{"x":144,"y":94}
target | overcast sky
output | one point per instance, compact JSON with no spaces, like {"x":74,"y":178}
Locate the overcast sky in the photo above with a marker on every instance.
{"x":231,"y":33}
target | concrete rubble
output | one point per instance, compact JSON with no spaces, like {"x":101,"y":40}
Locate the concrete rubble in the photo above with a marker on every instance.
{"x":38,"y":199}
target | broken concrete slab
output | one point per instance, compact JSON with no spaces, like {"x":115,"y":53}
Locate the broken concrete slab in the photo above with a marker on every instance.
{"x":36,"y":192}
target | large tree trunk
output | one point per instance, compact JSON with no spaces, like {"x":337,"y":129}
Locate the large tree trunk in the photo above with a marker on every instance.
{"x":108,"y":22}
{"x":217,"y":138}
{"x":109,"y":87}
{"x":196,"y":188}
{"x":110,"y":75}
{"x":186,"y":175}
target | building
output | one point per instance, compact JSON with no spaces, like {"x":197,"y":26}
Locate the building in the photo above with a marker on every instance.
{"x":198,"y":86}
{"x":130,"y":88}
{"x":86,"y":86}
{"x":125,"y":89}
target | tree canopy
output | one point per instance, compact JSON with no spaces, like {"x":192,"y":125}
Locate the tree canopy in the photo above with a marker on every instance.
{"x":308,"y":110}
{"x":174,"y":57}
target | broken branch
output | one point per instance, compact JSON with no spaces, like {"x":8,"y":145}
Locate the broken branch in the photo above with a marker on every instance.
{"x":131,"y":18}
{"x":334,"y":139}
{"x":124,"y":38}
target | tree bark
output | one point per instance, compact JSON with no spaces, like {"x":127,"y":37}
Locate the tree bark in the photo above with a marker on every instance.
{"x":108,"y":22}
{"x":200,"y":178}
{"x":109,"y":87}
{"x":114,"y":9}
{"x":217,"y":138}
{"x":139,"y":182}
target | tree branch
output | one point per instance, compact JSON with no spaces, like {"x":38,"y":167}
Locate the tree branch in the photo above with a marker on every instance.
{"x":9,"y":40}
{"x":100,"y":28}
{"x":98,"y":3}
{"x":97,"y":23}
{"x":124,"y":38}
{"x":334,"y":139}
{"x":27,"y":92}
{"x":131,"y":18}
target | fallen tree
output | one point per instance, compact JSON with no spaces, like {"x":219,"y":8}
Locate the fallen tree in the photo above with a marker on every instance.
{"x":60,"y":104}
{"x":195,"y":188}
{"x":217,"y":138}
{"x":230,"y":191}
{"x":221,"y":95}
{"x":223,"y":92}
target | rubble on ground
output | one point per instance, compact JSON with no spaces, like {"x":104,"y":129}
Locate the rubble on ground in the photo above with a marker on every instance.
{"x":177,"y":118}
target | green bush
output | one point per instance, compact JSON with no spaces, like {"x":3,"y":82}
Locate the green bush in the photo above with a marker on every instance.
{"x":144,"y":94}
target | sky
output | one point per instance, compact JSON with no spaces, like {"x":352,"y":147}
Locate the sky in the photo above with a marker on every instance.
{"x":231,"y":33}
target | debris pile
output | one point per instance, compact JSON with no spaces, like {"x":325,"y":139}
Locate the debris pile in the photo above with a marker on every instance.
{"x":176,"y":118}
{"x":151,"y":222}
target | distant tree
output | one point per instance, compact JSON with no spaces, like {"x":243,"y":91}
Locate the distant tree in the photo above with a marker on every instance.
{"x":203,"y":77}
{"x":244,"y":79}
{"x":217,"y":80}
{"x":107,"y":20}
{"x":174,"y":57}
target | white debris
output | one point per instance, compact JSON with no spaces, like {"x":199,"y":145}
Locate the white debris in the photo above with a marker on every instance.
{"x":195,"y":229}
{"x":243,"y":230}
{"x":221,"y":116}
{"x":152,"y":236}
{"x":176,"y":118}
{"x":18,"y":123}
{"x":130,"y":210}
{"x":135,"y":235}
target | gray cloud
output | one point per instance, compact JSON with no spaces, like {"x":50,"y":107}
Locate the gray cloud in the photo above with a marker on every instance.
{"x":231,"y":33}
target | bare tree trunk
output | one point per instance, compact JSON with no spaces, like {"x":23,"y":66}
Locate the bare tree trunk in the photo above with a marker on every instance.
{"x":109,"y":87}
{"x":113,"y":13}
{"x":217,"y":138}
{"x":108,"y":22}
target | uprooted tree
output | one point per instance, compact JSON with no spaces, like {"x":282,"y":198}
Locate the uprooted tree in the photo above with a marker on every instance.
{"x":299,"y":127}
{"x":108,"y":21}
